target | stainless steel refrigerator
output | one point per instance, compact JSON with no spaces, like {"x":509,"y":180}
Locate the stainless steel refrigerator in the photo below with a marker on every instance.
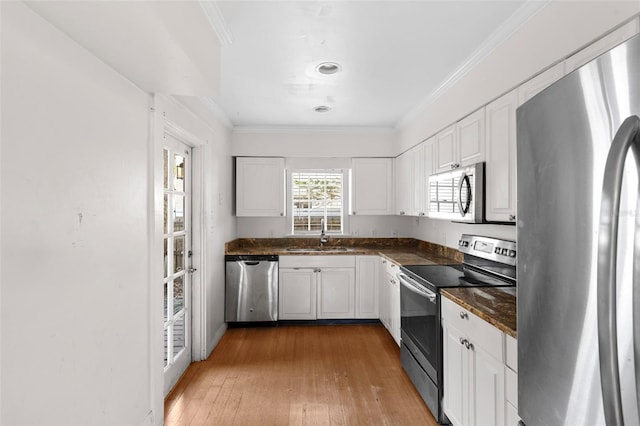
{"x":578,"y":156}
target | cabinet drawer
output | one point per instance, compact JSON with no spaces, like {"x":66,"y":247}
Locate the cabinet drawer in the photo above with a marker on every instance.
{"x":511,"y":391}
{"x":333,"y":261}
{"x":478,"y":331}
{"x":512,"y":353}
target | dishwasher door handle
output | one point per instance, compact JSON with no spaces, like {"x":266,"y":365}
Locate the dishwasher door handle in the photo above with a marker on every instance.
{"x":251,"y":263}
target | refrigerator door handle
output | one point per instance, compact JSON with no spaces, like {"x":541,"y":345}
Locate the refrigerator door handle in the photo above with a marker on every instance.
{"x":627,"y":136}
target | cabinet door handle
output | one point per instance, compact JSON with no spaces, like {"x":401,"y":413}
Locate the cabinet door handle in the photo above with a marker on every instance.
{"x":463,"y":341}
{"x":512,"y":217}
{"x":464,"y":315}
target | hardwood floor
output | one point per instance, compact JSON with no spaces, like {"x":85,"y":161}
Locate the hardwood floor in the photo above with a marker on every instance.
{"x":299,"y":375}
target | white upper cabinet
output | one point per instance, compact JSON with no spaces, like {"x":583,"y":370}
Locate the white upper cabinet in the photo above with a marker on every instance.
{"x":500,"y":171}
{"x":428,"y":164}
{"x":409,"y":183}
{"x":372,"y":186}
{"x":540,"y":82}
{"x":260,"y":186}
{"x":461,"y":144}
{"x":445,"y":149}
{"x":604,"y":44}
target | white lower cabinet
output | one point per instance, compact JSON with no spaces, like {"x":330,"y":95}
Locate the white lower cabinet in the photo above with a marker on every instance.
{"x":394,"y":309}
{"x":297,"y":294}
{"x":367,"y":284}
{"x":383,"y":294}
{"x":390,"y":298}
{"x":475,"y":374}
{"x":328,"y":287}
{"x":336,"y":293}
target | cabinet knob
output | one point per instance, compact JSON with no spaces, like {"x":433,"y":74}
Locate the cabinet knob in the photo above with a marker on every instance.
{"x":401,"y":213}
{"x":468,"y":344}
{"x":281,"y":214}
{"x":354,"y":213}
{"x":463,"y":341}
{"x":512,"y":217}
{"x":464,"y":315}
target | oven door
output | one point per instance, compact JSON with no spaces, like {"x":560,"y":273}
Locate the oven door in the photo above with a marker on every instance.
{"x":420,"y":324}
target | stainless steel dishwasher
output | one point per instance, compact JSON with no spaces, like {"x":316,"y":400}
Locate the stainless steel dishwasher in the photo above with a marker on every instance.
{"x":251,"y":288}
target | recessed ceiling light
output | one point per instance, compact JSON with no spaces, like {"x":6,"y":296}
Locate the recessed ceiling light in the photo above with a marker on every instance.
{"x":321,"y":108}
{"x":328,"y":68}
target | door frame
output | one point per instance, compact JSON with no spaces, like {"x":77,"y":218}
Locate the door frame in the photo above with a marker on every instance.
{"x":168,"y":116}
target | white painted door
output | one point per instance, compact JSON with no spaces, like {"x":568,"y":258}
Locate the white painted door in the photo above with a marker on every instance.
{"x":177,"y":260}
{"x":372,"y":183}
{"x":336,"y":293}
{"x":297,"y":293}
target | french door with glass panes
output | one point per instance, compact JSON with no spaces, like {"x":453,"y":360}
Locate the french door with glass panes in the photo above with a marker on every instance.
{"x":177,"y":260}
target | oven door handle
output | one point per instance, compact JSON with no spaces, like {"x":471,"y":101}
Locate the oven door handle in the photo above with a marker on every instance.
{"x":413,"y":286}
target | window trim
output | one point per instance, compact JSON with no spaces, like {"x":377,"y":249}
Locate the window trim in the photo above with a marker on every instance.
{"x":345,"y":200}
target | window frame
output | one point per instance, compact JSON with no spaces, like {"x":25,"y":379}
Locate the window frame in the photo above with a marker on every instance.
{"x":345,"y":200}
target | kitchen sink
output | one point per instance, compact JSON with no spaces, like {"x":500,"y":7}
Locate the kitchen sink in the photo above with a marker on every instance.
{"x":317,"y":249}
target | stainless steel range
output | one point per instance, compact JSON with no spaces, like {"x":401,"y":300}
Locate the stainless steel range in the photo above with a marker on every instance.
{"x":488,"y":262}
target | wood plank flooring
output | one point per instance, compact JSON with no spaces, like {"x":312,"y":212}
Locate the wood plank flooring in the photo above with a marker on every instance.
{"x":299,"y":375}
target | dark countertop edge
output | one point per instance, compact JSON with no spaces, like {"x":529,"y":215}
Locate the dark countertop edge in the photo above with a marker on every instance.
{"x":491,"y":318}
{"x":403,"y":251}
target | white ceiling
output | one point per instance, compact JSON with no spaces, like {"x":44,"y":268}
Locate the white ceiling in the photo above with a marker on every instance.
{"x":259,"y":71}
{"x":393,"y":55}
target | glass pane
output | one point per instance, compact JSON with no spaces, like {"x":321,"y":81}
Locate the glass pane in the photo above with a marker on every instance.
{"x":178,"y":254}
{"x":166,"y":213}
{"x":178,"y":335}
{"x":178,"y":213}
{"x":165,"y":157}
{"x":317,"y":195}
{"x":166,"y":301}
{"x":179,"y":170}
{"x":166,"y":257}
{"x":166,"y":347}
{"x":178,"y":294}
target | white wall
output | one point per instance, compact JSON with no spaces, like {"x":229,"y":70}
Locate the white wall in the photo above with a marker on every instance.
{"x":77,"y":307}
{"x":448,"y":233}
{"x":318,"y":143}
{"x":75,"y":283}
{"x":360,"y":226}
{"x":220,"y":227}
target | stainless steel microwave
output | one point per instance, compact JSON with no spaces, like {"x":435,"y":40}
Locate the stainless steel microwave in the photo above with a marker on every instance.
{"x":458,"y":195}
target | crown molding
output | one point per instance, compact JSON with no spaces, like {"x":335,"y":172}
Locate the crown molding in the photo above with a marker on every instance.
{"x":525,"y":12}
{"x":313,"y":129}
{"x":217,"y":112}
{"x":217,"y":21}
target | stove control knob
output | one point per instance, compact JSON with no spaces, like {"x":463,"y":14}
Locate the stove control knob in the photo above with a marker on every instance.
{"x":505,"y":252}
{"x":497,"y":250}
{"x":512,"y":253}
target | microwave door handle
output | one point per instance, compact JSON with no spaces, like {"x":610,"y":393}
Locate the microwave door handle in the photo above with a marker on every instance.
{"x":464,"y":210}
{"x":627,"y":135}
{"x":408,"y":284}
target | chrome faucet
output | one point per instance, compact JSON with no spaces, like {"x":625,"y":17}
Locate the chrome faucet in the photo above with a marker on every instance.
{"x":324,"y":238}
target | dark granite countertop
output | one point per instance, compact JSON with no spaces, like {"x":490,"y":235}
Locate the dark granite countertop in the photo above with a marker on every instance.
{"x":492,"y":304}
{"x":404,"y":251}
